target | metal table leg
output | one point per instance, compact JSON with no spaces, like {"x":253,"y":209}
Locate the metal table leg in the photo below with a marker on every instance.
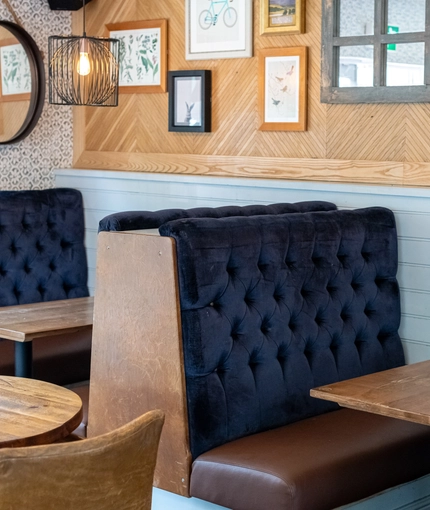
{"x":24,"y":359}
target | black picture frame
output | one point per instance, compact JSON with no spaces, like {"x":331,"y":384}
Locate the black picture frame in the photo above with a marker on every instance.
{"x":190,"y":101}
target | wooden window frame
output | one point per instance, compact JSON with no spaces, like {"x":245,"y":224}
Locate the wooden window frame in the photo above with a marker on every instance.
{"x":379,"y":93}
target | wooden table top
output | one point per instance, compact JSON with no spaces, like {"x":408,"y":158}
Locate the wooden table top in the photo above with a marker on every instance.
{"x":402,"y":392}
{"x":36,"y":412}
{"x":23,"y":323}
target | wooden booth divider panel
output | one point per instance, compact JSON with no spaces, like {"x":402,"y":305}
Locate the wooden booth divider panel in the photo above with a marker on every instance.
{"x":137,"y":360}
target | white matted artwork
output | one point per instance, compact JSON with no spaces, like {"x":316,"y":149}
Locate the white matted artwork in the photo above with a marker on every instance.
{"x":188,"y":100}
{"x":15,"y":70}
{"x":282,"y":89}
{"x":218,"y":29}
{"x":139,"y":62}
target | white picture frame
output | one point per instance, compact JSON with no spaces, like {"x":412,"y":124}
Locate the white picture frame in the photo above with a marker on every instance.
{"x":218,"y":29}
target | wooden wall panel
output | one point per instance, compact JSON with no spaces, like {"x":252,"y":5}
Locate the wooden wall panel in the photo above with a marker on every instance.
{"x":124,"y":137}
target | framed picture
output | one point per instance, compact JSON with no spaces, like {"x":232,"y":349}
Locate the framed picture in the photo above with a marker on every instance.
{"x":282,"y":89}
{"x":218,"y":29}
{"x":190,"y":101}
{"x":142,"y":55}
{"x":282,"y":16}
{"x":15,"y":73}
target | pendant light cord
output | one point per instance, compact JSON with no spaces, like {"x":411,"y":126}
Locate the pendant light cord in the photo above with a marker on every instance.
{"x":14,"y":16}
{"x":83,"y":6}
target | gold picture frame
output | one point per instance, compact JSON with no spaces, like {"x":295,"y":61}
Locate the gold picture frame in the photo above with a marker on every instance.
{"x":282,"y":17}
{"x":282,"y":88}
{"x":144,"y":45}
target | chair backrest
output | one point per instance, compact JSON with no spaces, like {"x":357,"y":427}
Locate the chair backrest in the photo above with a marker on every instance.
{"x":42,"y":253}
{"x":110,"y":472}
{"x":272,"y":306}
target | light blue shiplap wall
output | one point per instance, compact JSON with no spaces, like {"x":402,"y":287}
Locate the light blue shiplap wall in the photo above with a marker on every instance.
{"x":106,"y":192}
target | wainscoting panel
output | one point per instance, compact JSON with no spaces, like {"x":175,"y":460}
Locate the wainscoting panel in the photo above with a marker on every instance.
{"x":106,"y":192}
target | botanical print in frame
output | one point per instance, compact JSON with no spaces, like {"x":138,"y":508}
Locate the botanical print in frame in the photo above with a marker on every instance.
{"x":142,"y":55}
{"x":282,"y":89}
{"x":15,"y":72}
{"x":218,"y":29}
{"x":282,"y":16}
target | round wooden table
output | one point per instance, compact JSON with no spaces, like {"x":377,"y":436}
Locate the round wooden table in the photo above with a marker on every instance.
{"x":36,"y":412}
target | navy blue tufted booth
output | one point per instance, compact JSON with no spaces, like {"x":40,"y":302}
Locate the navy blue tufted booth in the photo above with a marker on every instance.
{"x":272,"y":305}
{"x":42,"y":258}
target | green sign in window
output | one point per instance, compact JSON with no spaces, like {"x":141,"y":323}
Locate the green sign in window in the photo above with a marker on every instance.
{"x":392,"y":29}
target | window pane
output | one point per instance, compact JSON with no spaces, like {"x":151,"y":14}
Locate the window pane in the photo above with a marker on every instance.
{"x":356,"y":66}
{"x":405,"y":64}
{"x":356,"y":18}
{"x":406,"y":16}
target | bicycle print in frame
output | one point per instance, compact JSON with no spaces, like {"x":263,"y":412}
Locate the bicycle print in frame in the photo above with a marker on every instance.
{"x":218,"y":29}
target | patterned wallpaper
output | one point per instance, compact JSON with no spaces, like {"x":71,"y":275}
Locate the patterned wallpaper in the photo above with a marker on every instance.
{"x":28,"y":164}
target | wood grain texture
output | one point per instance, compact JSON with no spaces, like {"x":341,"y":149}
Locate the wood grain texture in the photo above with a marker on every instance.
{"x":23,"y":323}
{"x":36,"y":412}
{"x":137,"y":361}
{"x":270,"y":168}
{"x":399,"y":393}
{"x":121,"y":138}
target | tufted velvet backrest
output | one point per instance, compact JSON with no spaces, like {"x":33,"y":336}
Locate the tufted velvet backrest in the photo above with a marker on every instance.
{"x":42,"y":254}
{"x":136,"y":220}
{"x":275,"y":305}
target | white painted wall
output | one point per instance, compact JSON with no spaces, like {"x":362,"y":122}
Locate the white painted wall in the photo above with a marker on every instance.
{"x":106,"y":192}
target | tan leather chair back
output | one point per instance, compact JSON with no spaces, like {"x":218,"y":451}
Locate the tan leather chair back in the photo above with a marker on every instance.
{"x":110,"y":472}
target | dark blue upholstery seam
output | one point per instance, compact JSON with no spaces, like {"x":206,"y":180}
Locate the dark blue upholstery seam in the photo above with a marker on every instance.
{"x":245,"y":468}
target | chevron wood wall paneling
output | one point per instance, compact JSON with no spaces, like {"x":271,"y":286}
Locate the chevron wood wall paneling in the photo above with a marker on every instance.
{"x":129,"y":136}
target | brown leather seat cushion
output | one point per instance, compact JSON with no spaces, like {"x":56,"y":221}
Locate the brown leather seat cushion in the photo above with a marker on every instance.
{"x":316,"y":464}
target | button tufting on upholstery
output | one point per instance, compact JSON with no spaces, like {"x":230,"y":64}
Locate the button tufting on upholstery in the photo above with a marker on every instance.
{"x":27,"y":269}
{"x":25,"y":226}
{"x":342,"y":259}
{"x":67,"y":288}
{"x":41,"y":289}
{"x":355,"y":285}
{"x":3,"y":272}
{"x":39,"y":247}
{"x":290,"y":264}
{"x":344,"y":316}
{"x":52,"y":266}
{"x":365,"y":255}
{"x":51,"y":225}
{"x":17,"y":293}
{"x":379,"y":281}
{"x":304,"y":293}
{"x":13,"y":249}
{"x":368,"y":312}
{"x":65,"y":244}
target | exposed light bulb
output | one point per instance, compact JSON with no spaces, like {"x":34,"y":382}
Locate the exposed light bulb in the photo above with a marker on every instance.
{"x":84,"y":66}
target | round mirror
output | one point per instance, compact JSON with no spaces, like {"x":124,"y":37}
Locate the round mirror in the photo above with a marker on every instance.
{"x":22,"y":83}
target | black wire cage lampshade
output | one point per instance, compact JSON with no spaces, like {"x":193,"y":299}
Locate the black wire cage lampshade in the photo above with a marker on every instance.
{"x":83,"y":71}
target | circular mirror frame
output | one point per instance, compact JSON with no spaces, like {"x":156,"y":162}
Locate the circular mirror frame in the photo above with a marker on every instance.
{"x":37,"y":70}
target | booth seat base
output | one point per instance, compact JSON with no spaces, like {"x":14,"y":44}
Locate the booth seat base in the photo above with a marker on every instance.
{"x":316,"y":464}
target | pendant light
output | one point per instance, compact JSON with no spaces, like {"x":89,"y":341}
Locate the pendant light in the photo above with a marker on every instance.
{"x":83,"y":70}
